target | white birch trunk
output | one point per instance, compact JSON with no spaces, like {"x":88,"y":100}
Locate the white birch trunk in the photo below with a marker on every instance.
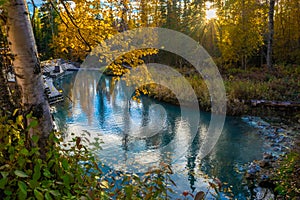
{"x":27,"y":68}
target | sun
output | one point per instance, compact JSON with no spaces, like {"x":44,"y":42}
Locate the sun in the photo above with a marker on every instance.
{"x":211,"y":12}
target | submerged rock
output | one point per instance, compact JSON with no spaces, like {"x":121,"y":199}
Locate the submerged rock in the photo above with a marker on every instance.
{"x":263,"y":194}
{"x":268,"y":156}
{"x":253,"y":168}
{"x":264,"y":163}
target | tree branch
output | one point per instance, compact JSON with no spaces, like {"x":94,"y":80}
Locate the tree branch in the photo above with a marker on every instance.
{"x":78,"y":29}
{"x":66,"y":24}
{"x":33,"y":14}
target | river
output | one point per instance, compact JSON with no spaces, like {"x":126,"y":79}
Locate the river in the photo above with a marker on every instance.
{"x":97,"y":108}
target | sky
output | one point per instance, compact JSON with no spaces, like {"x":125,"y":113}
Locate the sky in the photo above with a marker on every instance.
{"x":38,"y":1}
{"x":210,"y":12}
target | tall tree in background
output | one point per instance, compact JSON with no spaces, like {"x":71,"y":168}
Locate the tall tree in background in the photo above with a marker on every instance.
{"x":271,"y":33}
{"x":27,"y":68}
{"x":45,"y":28}
{"x":287,"y":32}
{"x":241,"y":30}
{"x":150,"y":13}
{"x":194,"y":19}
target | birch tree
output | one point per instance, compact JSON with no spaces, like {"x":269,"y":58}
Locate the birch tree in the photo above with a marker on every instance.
{"x":27,"y":68}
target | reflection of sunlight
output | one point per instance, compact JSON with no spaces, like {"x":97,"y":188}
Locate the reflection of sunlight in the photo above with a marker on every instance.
{"x":183,"y":136}
{"x":211,"y":12}
{"x":148,"y":157}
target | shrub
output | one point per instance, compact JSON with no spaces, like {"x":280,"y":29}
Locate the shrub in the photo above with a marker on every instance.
{"x":69,"y":171}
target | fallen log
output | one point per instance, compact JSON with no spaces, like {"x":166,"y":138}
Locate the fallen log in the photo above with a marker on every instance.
{"x":284,"y":104}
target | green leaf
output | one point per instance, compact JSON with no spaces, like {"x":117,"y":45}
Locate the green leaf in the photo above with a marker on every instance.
{"x":24,"y":151}
{"x":48,"y":196}
{"x":21,"y":174}
{"x":28,"y":116}
{"x":37,"y":170}
{"x":34,"y":150}
{"x":4,"y":174}
{"x":35,"y":138}
{"x":3,"y":182}
{"x":47,"y":173}
{"x":65,"y":164}
{"x":22,"y":187}
{"x":66,"y":179}
{"x":38,"y":194}
{"x":33,"y":184}
{"x":55,"y":193}
{"x":8,"y":192}
{"x":36,"y":175}
{"x":21,"y":195}
{"x":129,"y":191}
{"x":21,"y":161}
{"x":32,"y":124}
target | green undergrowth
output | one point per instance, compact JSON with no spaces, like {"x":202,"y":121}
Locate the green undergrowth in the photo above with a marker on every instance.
{"x":242,"y":86}
{"x":280,"y":84}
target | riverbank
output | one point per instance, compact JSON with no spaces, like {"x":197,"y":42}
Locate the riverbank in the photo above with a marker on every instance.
{"x":269,"y":177}
{"x":254,"y":92}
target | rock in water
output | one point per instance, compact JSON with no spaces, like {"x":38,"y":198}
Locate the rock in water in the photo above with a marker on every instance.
{"x":263,"y":194}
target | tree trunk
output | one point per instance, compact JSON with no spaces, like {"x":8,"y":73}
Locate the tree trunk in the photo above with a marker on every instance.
{"x":271,"y":34}
{"x":5,"y":101}
{"x":27,"y":69}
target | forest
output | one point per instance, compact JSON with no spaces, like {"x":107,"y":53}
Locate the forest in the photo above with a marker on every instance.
{"x":252,"y":47}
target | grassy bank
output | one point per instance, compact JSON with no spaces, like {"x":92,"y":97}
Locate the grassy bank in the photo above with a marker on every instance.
{"x":286,"y":176}
{"x":242,"y":86}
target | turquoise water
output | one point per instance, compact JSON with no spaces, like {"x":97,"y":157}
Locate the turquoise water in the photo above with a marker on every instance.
{"x":97,"y":108}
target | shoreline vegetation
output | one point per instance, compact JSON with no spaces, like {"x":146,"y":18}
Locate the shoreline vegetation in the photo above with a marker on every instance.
{"x":255,"y":92}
